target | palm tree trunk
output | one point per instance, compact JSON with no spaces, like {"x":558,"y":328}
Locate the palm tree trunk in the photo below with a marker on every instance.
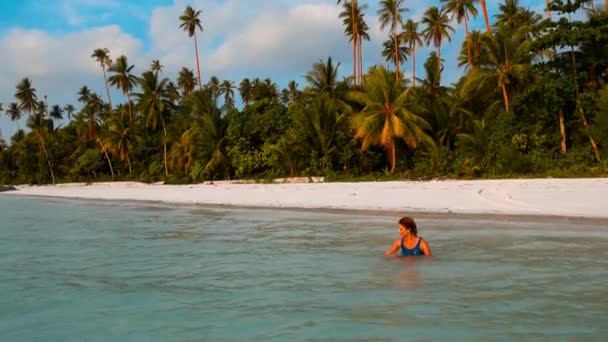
{"x":129,"y":102}
{"x":549,"y":11}
{"x":592,"y":141}
{"x":393,"y":156}
{"x":414,"y":64}
{"x":505,"y":95}
{"x":581,"y":110}
{"x":165,"y":149}
{"x":485,"y":15}
{"x":129,"y":163}
{"x":468,"y":39}
{"x":360,"y":61}
{"x":198,"y":67}
{"x":107,"y":157}
{"x":107,"y":90}
{"x":562,"y":129}
{"x":353,"y":4}
{"x":48,"y":160}
{"x":439,"y":63}
{"x":397,"y":53}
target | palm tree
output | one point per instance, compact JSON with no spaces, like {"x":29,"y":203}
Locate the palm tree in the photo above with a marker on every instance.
{"x":123,"y":79}
{"x":509,"y":13}
{"x":186,"y":81}
{"x":153,"y":104}
{"x":486,"y":18}
{"x":461,"y":9}
{"x":477,"y":50}
{"x":245,"y":90}
{"x":118,"y":139}
{"x":322,"y":78}
{"x":102,"y":56}
{"x":437,"y":28}
{"x":156,"y":67}
{"x":190,"y":22}
{"x":386,"y":115}
{"x":84,"y":94}
{"x":214,"y":87}
{"x":26,"y":94}
{"x":14,"y":112}
{"x":508,"y":61}
{"x":353,"y":32}
{"x":412,"y":38}
{"x":390,"y":14}
{"x":356,"y":29}
{"x":56,"y":112}
{"x":388,"y":51}
{"x":69,"y":110}
{"x":227,"y":88}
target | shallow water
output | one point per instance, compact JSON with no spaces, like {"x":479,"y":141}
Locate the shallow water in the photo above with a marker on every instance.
{"x":102,"y":271}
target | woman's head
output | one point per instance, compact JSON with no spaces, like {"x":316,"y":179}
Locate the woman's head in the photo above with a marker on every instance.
{"x":407,"y":225}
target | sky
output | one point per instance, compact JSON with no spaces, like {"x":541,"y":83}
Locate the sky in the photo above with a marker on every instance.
{"x":51,"y":41}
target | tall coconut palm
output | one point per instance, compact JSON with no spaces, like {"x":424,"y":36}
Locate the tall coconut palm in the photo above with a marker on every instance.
{"x":84,"y":94}
{"x":477,"y":51}
{"x":245,"y":89}
{"x":56,"y":113}
{"x":227,"y":88}
{"x":412,"y":39}
{"x":437,"y":28}
{"x":486,"y":18}
{"x":391,"y":14}
{"x":509,"y":13}
{"x":190,"y":21}
{"x":118,"y":138}
{"x":14,"y":113}
{"x":354,"y":34}
{"x":102,"y":56}
{"x":69,"y":110}
{"x":388,"y":51}
{"x":323,"y":78}
{"x":461,"y":10}
{"x":26,"y":95}
{"x":386,"y":115}
{"x":508,"y":61}
{"x":122,"y":79}
{"x":214,"y":88}
{"x":153,"y":104}
{"x":186,"y":81}
{"x":156,"y":67}
{"x":356,"y":29}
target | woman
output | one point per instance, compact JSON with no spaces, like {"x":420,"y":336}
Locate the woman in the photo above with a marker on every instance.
{"x":409,"y":243}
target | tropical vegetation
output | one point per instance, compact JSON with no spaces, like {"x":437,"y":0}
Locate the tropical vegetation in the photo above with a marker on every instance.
{"x":532,"y":101}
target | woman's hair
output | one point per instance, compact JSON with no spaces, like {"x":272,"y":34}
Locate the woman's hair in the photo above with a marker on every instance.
{"x":409,"y":224}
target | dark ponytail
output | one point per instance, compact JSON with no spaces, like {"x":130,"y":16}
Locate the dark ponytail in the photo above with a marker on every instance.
{"x":409,"y":224}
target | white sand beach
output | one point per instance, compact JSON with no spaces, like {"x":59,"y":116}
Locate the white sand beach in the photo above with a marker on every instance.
{"x":587,"y":198}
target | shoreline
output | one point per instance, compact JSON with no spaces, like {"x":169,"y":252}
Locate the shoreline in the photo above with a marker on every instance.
{"x":573,"y":200}
{"x":424,"y":215}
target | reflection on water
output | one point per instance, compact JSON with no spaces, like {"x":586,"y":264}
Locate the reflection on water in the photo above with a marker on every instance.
{"x":74,"y":270}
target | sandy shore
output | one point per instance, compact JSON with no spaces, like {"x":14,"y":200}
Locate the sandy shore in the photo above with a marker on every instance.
{"x":585,"y":198}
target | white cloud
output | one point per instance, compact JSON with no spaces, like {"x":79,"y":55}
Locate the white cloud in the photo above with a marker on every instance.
{"x":57,"y":64}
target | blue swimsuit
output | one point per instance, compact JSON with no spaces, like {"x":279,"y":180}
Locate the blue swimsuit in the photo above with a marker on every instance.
{"x":414,"y":251}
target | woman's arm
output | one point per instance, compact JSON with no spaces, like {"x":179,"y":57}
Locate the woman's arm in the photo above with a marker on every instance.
{"x":394,"y":248}
{"x":424,"y":247}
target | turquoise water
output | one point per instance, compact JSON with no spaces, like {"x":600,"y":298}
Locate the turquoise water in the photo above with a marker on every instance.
{"x":99,"y":271}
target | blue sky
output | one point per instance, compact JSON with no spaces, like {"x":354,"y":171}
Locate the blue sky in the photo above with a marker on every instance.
{"x":50,"y":41}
